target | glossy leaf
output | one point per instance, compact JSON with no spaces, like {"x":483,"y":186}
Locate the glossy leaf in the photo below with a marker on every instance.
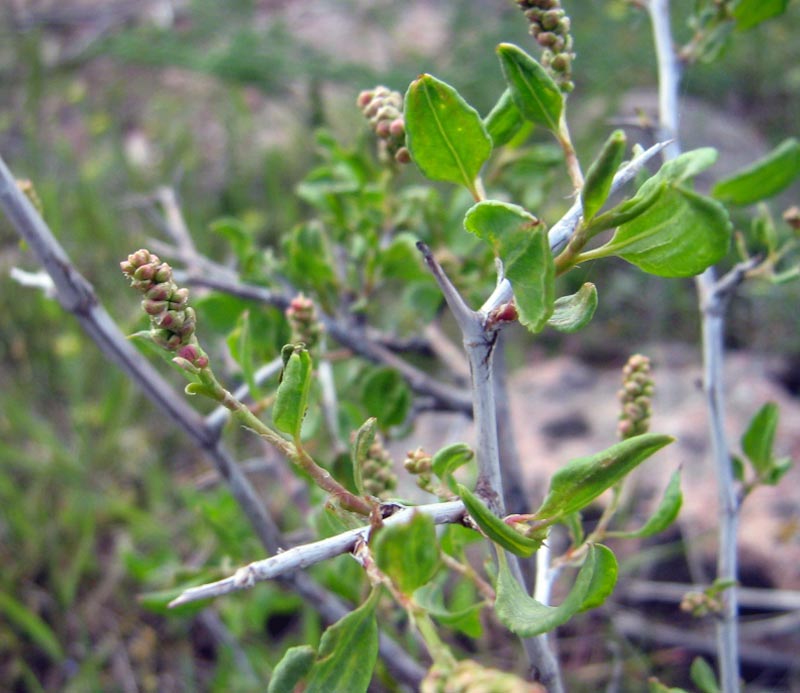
{"x":347,"y":652}
{"x":408,"y":553}
{"x":527,"y":617}
{"x":445,"y":135}
{"x":604,"y":578}
{"x":359,"y":450}
{"x":686,"y":166}
{"x":703,"y":676}
{"x":495,"y":529}
{"x":573,"y":312}
{"x":764,"y":178}
{"x":386,"y":396}
{"x":601,"y":173}
{"x":291,"y":669}
{"x":664,"y":515}
{"x":759,"y":438}
{"x":291,"y":399}
{"x":749,"y":13}
{"x":450,"y":458}
{"x":582,"y":480}
{"x":679,"y":235}
{"x":520,"y":241}
{"x":534,"y":92}
{"x":504,"y":120}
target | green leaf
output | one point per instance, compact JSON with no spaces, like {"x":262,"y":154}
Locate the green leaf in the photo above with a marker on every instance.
{"x":526,"y":617}
{"x":582,"y":480}
{"x":601,"y":173}
{"x":679,"y":235}
{"x":759,"y":438}
{"x":240,"y":344}
{"x":386,"y":396}
{"x":291,"y":399}
{"x":445,"y":135}
{"x":493,"y":527}
{"x":31,"y":624}
{"x":450,"y":458}
{"x":293,"y":668}
{"x":687,"y":165}
{"x":519,"y":239}
{"x":665,"y":513}
{"x":347,"y":653}
{"x":359,"y":450}
{"x":604,"y":578}
{"x":408,"y":553}
{"x":465,"y":620}
{"x":749,"y":13}
{"x":534,"y":92}
{"x":504,"y":120}
{"x":762,"y":179}
{"x":627,"y":210}
{"x":572,"y":313}
{"x":703,"y":676}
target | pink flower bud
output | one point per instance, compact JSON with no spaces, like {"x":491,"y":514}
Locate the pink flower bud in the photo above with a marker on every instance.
{"x":364,"y":98}
{"x":403,"y":156}
{"x":382,"y":129}
{"x":163,"y":273}
{"x":397,"y":128}
{"x":153,"y":307}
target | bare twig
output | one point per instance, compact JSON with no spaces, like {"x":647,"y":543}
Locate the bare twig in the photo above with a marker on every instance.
{"x":712,"y":304}
{"x":307,"y":555}
{"x":479,"y":343}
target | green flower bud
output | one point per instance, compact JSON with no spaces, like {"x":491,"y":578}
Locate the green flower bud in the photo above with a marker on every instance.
{"x":635,"y":397}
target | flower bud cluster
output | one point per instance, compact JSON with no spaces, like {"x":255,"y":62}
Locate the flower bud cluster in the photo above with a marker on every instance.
{"x":550,"y":26}
{"x":172,"y":320}
{"x":699,"y":604}
{"x":468,"y":676}
{"x":383,"y":109}
{"x":418,"y":463}
{"x":377,"y":471}
{"x":635,"y":397}
{"x":302,"y":317}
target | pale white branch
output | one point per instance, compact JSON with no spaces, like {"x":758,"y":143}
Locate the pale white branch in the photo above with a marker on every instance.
{"x":306,"y":555}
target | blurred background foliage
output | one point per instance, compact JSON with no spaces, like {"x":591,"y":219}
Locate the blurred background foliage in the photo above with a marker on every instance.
{"x":100,"y":103}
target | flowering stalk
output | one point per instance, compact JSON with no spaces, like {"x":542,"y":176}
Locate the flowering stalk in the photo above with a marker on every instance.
{"x":173,"y":324}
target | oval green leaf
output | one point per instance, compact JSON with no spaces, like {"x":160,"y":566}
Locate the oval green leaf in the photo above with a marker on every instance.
{"x":504,"y":120}
{"x":445,"y":135}
{"x":291,"y":399}
{"x":582,"y":480}
{"x":601,"y":173}
{"x":750,"y":13}
{"x":520,"y":240}
{"x":526,"y":617}
{"x":408,"y":553}
{"x":759,"y":438}
{"x":664,"y":515}
{"x":495,"y":529}
{"x":534,"y":92}
{"x":764,"y":178}
{"x":679,"y":235}
{"x":293,"y":668}
{"x":450,"y":458}
{"x":574,"y":312}
{"x":386,"y":396}
{"x":348,"y":651}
